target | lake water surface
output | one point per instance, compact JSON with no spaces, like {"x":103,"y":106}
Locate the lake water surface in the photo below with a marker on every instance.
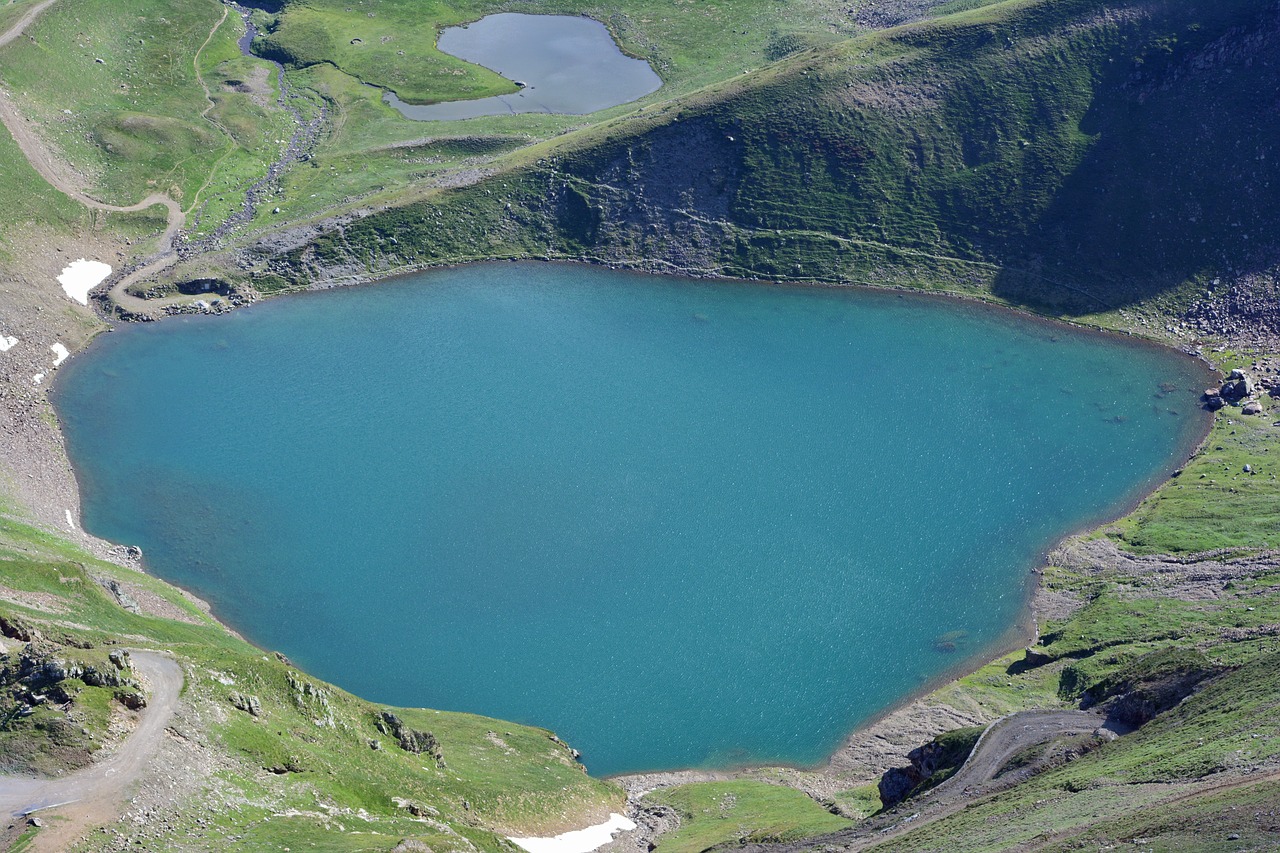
{"x":569,"y":65}
{"x":680,"y":523}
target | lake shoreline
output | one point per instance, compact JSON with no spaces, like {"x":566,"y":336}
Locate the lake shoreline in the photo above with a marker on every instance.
{"x":901,"y":719}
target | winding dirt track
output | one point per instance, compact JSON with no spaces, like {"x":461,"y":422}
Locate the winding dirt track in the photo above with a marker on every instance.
{"x":95,"y":792}
{"x":64,"y":181}
{"x":1007,"y":736}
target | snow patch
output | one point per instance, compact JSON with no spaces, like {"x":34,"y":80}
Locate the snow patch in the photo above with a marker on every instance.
{"x":60,"y":352}
{"x":7,"y":342}
{"x":81,"y":277}
{"x":579,"y":840}
{"x":37,"y":379}
{"x":71,"y":522}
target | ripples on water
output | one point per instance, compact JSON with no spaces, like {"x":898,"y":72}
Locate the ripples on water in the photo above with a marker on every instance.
{"x":680,"y":523}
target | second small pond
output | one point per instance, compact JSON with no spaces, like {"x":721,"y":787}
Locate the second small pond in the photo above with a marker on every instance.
{"x":566,"y":64}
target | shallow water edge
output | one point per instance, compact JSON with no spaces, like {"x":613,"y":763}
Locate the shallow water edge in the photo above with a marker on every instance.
{"x":1016,"y":634}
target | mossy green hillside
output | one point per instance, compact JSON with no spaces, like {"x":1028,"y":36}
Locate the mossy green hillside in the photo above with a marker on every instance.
{"x":1140,"y":778}
{"x":11,"y":11}
{"x":1035,"y":151}
{"x":1227,"y":496}
{"x":305,"y":748}
{"x":381,"y":43}
{"x":730,"y":813}
{"x":1233,"y":819}
{"x":114,"y":89}
{"x":27,"y":202}
{"x":364,"y":153}
{"x":245,"y":106}
{"x":119,"y":81}
{"x":391,"y":44}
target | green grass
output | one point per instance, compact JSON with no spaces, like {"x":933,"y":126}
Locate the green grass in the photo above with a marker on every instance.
{"x":1239,"y":819}
{"x":246,"y":111}
{"x":1123,"y":783}
{"x":137,"y":121}
{"x":955,"y":6}
{"x":867,"y":162}
{"x":858,"y":803}
{"x":12,"y":10}
{"x":28,"y":204}
{"x":24,"y":841}
{"x":713,"y":813}
{"x":309,"y":749}
{"x":1214,"y":504}
{"x":382,"y":43}
{"x":131,"y":122}
{"x":689,"y":44}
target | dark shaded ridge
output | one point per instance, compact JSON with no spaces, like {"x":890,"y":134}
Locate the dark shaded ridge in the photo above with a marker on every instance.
{"x":1022,"y":151}
{"x":1177,"y":183}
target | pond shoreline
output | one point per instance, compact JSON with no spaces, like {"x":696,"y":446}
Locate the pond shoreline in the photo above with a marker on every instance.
{"x":907,"y":719}
{"x":538,"y":65}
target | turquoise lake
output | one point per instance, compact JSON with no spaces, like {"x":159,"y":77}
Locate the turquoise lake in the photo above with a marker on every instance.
{"x":680,"y":523}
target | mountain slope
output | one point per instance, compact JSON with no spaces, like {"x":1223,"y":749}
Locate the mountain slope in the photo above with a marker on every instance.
{"x":1070,"y":155}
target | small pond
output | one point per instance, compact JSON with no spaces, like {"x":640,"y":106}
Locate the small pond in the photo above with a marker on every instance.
{"x":567,"y":65}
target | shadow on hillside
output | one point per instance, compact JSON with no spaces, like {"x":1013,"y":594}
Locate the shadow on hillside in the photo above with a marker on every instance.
{"x":1183,"y":180}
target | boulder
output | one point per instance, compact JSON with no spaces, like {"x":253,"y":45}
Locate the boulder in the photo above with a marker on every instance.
{"x":1214,"y":403}
{"x":249,"y":704}
{"x":1253,"y":407}
{"x":16,"y":629}
{"x":134,"y":700}
{"x":1031,"y":658}
{"x":1236,"y":389}
{"x":409,"y":739}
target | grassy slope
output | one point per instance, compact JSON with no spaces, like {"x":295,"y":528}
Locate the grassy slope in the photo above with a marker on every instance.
{"x":31,"y":211}
{"x":1007,"y":151}
{"x":12,"y":10}
{"x":1214,"y":503}
{"x":141,"y":103}
{"x":688,"y":44}
{"x":714,"y":813}
{"x":365,"y":152}
{"x":517,"y":779}
{"x":1130,"y":782}
{"x":254,"y":127}
{"x":27,"y":203}
{"x":132,"y":124}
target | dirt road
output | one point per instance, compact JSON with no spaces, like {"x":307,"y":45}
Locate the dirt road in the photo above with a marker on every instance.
{"x":65,"y":181}
{"x":1002,"y":739}
{"x":1009,"y":735}
{"x":92,"y":796}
